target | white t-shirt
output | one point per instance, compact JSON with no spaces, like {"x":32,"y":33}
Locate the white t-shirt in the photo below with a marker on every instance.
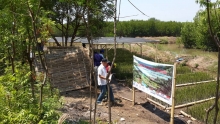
{"x":102,"y":71}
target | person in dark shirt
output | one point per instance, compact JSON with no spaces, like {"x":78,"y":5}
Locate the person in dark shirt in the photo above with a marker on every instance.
{"x":97,"y":59}
{"x":101,"y":53}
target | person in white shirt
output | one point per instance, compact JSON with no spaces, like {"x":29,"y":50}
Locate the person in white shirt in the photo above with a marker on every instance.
{"x":102,"y":74}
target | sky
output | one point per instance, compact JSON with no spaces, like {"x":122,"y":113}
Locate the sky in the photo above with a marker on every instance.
{"x":164,"y":10}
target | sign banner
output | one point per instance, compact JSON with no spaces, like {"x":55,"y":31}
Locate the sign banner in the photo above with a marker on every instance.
{"x":153,"y":78}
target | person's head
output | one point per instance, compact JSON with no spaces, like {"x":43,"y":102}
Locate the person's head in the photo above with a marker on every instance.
{"x":109,"y":63}
{"x":104,"y":62}
{"x":101,"y":51}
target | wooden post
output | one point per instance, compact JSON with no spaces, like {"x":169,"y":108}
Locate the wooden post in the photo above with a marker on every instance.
{"x":106,"y":52}
{"x":133,"y":88}
{"x":130,"y":47}
{"x":109,"y":101}
{"x":173,"y":95}
{"x":141,"y":49}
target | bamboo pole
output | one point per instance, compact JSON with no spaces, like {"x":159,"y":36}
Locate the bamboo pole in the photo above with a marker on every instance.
{"x":194,"y":83}
{"x":141,"y":49}
{"x":173,"y":95}
{"x":187,"y":115}
{"x":106,"y":52}
{"x":156,"y":53}
{"x":111,"y":48}
{"x":133,"y":89}
{"x":192,"y":103}
{"x":158,"y":104}
{"x":108,"y":85}
{"x":130,"y":47}
{"x":126,"y":98}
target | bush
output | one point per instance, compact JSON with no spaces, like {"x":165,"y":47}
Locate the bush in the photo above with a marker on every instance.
{"x":164,"y":41}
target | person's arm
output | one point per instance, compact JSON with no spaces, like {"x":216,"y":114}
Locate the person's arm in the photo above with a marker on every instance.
{"x":102,"y":77}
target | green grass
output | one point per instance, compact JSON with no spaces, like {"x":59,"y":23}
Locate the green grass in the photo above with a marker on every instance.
{"x":193,"y":77}
{"x":194,"y":93}
{"x":183,"y":69}
{"x":198,"y":112}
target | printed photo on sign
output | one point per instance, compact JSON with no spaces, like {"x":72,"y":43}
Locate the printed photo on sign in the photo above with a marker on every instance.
{"x":153,"y":78}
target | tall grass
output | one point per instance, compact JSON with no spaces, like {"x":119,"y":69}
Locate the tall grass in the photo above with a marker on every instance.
{"x":193,"y":77}
{"x":198,"y":112}
{"x":194,"y":93}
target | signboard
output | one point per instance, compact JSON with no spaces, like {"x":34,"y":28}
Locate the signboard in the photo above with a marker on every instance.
{"x":153,"y":78}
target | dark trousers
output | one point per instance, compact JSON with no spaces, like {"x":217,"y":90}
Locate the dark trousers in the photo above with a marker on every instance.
{"x":103,"y":89}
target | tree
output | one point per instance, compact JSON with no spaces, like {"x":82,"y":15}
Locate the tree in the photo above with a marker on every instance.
{"x":151,"y":27}
{"x":22,"y":23}
{"x":187,"y":37}
{"x":68,"y":17}
{"x":212,"y":26}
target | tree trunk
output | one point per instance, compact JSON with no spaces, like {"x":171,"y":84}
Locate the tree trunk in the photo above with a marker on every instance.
{"x":41,"y":90}
{"x":62,"y":34}
{"x":30,"y":61}
{"x":216,"y":40}
{"x":217,"y":89}
{"x":33,"y":20}
{"x":74,"y":32}
{"x":58,"y":44}
{"x":67,"y":26}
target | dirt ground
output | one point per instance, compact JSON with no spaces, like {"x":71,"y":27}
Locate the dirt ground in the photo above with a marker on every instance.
{"x":76,"y":107}
{"x":76,"y":104}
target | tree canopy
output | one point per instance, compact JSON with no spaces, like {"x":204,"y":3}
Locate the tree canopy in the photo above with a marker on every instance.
{"x":150,"y":27}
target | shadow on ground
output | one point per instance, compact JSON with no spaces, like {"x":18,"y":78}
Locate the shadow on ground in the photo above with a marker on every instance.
{"x":163,"y":115}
